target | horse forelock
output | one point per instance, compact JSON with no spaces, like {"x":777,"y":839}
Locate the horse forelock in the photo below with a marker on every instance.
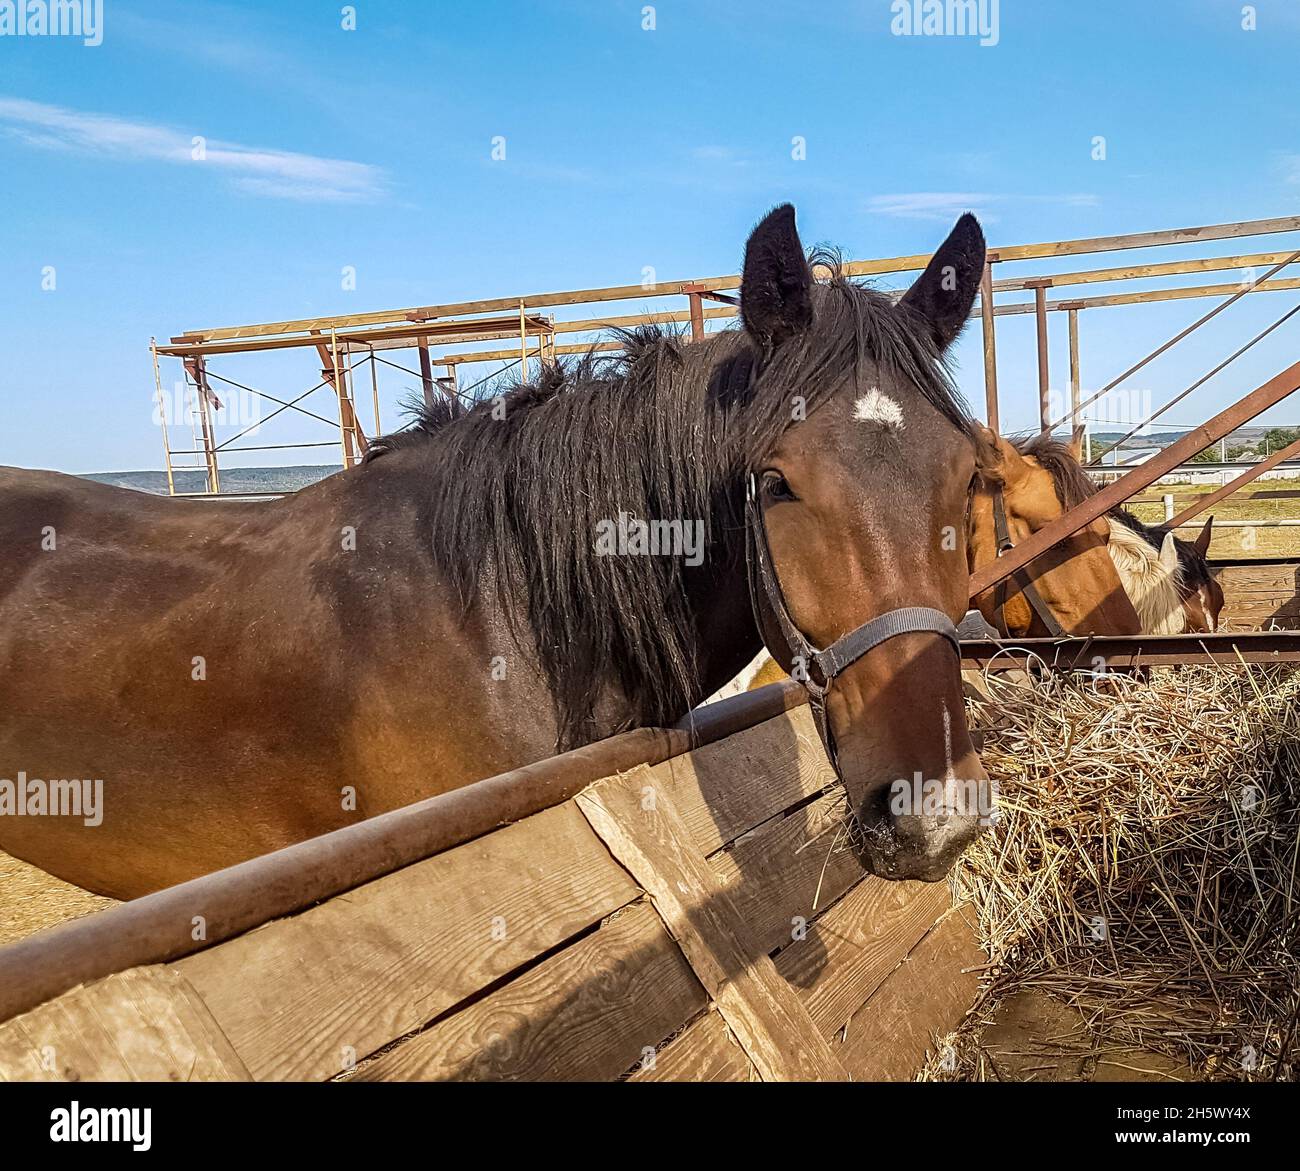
{"x":855,"y":324}
{"x":1073,"y":485}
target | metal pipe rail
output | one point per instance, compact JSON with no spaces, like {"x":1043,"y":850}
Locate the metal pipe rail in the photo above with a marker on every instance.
{"x":1115,"y":493}
{"x":1135,"y":650}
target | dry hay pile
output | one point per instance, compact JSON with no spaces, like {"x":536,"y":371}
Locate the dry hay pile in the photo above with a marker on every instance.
{"x":31,"y":900}
{"x":1146,"y":868}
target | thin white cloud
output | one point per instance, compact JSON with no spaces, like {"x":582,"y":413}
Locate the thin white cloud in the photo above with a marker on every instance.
{"x":1079,"y":199}
{"x":929,"y":205}
{"x":275,"y":174}
{"x":948,"y":205}
{"x":719,"y":154}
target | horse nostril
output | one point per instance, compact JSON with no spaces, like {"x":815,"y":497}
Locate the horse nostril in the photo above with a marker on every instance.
{"x":874,"y":811}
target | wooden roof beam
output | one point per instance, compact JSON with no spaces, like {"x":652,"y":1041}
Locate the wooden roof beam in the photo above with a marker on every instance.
{"x":913,"y":263}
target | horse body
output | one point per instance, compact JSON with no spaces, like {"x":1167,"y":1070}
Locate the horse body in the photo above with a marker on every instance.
{"x":243,"y":676}
{"x":236,"y":676}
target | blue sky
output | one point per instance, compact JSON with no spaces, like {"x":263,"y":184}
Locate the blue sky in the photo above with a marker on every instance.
{"x":625,"y":148}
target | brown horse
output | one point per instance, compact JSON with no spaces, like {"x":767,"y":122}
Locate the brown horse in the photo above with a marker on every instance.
{"x":1167,"y":579}
{"x":1076,"y":579}
{"x":553,"y":565}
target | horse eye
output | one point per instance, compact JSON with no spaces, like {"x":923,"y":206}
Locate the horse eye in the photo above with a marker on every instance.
{"x":778,"y":487}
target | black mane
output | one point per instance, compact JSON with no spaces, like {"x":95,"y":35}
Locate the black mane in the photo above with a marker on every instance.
{"x":1073,"y":484}
{"x":665,"y":430}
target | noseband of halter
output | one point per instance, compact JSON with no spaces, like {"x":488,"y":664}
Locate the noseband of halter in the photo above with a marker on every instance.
{"x":1002,"y":531}
{"x":818,"y":669}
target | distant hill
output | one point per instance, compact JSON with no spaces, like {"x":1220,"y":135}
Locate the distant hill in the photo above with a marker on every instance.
{"x":232,"y":479}
{"x":1242,"y":435}
{"x":292,"y":478}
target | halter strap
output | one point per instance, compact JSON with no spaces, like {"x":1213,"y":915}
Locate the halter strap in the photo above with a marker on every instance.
{"x":835,"y":659}
{"x":1002,"y":531}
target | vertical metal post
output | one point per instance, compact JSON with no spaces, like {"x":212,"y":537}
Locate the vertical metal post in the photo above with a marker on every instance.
{"x":523,"y":345}
{"x":162,"y":417}
{"x":697,"y":316}
{"x":345,"y":433}
{"x":990,"y":348}
{"x":374,"y":390}
{"x":340,"y":378}
{"x":349,"y":393}
{"x":1044,"y":375}
{"x":426,"y":372}
{"x":1078,"y":429}
{"x":199,"y":370}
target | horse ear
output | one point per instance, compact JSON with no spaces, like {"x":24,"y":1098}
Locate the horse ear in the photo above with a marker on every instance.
{"x":944,"y":293}
{"x":997,"y":459}
{"x":1203,"y":537}
{"x":776,"y":285}
{"x":1169,"y":553}
{"x":1075,"y":444}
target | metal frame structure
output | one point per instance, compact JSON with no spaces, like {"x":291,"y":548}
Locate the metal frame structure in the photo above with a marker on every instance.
{"x":1126,"y":652}
{"x":339,"y":340}
{"x":339,"y":347}
{"x":342,"y":340}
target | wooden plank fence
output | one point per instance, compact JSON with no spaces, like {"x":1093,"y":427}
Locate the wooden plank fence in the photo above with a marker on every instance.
{"x":1260,"y":594}
{"x":698,"y":918}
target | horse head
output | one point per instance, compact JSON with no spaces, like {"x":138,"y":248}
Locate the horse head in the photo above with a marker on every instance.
{"x":861,"y":501}
{"x":1037,"y":481}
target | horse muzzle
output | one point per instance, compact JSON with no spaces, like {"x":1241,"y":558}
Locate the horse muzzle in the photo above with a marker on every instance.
{"x":917,"y":828}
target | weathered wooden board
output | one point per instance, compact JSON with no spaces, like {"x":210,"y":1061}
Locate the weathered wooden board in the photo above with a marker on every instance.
{"x":851,"y":950}
{"x":725,"y":789}
{"x":306,"y":997}
{"x":1259,"y":595}
{"x":587,"y":1013}
{"x":146,"y":1024}
{"x":1279,"y":576}
{"x":1262,"y":614}
{"x":704,"y":1052}
{"x":848,"y":953}
{"x":644,"y":831}
{"x":780,"y":875}
{"x":925,"y":998}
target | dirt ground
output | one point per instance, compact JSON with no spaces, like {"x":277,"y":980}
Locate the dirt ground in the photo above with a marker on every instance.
{"x":1034,"y":1038}
{"x":31,"y":900}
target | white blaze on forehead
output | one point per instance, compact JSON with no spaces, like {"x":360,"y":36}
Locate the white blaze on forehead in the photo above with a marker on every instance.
{"x":876,"y":407}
